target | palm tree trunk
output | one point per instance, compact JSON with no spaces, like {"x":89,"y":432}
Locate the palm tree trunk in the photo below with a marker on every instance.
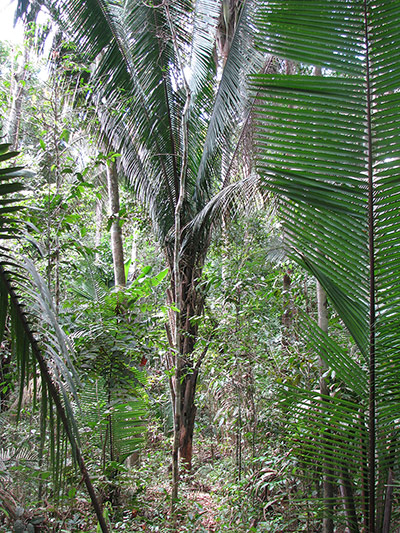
{"x":188,"y":415}
{"x":346,"y":491}
{"x":183,"y":390}
{"x":116,"y":231}
{"x":180,"y":393}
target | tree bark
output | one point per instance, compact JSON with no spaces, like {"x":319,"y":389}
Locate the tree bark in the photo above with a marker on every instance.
{"x":287,"y":310}
{"x":116,"y":231}
{"x":192,"y":304}
{"x":99,"y":221}
{"x":388,"y":502}
{"x":328,"y":487}
{"x":188,"y":415}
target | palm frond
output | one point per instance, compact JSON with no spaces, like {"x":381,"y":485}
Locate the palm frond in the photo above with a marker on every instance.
{"x":231,"y":200}
{"x":227,"y":114}
{"x":142,"y":54}
{"x":329,"y":146}
{"x":120,"y":412}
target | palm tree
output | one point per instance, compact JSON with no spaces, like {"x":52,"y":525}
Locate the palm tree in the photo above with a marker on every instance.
{"x":329,"y":147}
{"x":171,"y":112}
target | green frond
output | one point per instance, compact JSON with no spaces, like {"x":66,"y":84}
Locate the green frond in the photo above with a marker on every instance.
{"x":329,"y":148}
{"x":142,"y":52}
{"x":110,"y":407}
{"x":228,"y":111}
{"x":232,"y":199}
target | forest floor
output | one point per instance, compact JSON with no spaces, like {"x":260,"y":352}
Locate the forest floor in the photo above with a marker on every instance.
{"x":204,"y":501}
{"x":212,"y":499}
{"x":202,"y":507}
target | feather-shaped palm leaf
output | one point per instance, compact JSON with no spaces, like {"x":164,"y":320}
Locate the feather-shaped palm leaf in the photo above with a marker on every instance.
{"x":329,"y":147}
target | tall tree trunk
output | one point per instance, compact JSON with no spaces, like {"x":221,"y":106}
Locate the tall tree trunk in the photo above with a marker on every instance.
{"x":133,"y":268}
{"x":328,"y":487}
{"x":191,"y":305}
{"x":116,"y":231}
{"x":99,"y":222}
{"x":346,"y":491}
{"x":287,"y":310}
{"x":14,"y":121}
{"x":388,"y":502}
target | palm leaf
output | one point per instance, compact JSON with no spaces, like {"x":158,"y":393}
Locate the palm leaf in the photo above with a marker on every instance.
{"x":126,"y":416}
{"x":329,"y":147}
{"x":142,"y":54}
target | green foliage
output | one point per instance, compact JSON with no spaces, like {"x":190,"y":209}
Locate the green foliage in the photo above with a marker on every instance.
{"x":114,"y":334}
{"x":40,"y":359}
{"x":327,"y":147}
{"x":338,"y":205}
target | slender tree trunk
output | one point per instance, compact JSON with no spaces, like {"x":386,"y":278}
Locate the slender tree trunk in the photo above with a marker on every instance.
{"x":328,"y":487}
{"x":134,"y":251}
{"x":385,"y":488}
{"x":346,"y":491}
{"x":16,"y":108}
{"x":19,"y":82}
{"x":99,"y":222}
{"x":287,"y":310}
{"x":388,"y":502}
{"x":116,"y":231}
{"x":55,"y":103}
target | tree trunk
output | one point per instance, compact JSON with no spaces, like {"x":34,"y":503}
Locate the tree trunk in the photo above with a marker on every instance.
{"x":192,"y":304}
{"x":133,"y":268}
{"x":346,"y":491}
{"x":99,"y":222}
{"x":327,"y":524}
{"x":188,"y":415}
{"x":388,"y":503}
{"x":287,"y":310}
{"x":116,"y":231}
